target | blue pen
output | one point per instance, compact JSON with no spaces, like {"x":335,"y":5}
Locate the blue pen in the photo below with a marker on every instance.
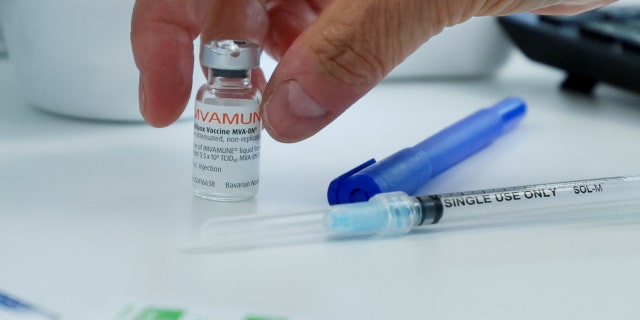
{"x":410,"y":168}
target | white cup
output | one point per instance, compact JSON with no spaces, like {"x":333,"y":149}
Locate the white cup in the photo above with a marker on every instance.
{"x":73,"y":57}
{"x":473,"y":49}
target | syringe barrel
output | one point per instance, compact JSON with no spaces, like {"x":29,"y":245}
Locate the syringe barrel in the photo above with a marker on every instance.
{"x":574,"y":197}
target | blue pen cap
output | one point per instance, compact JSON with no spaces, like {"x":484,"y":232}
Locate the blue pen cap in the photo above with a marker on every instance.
{"x":410,"y":168}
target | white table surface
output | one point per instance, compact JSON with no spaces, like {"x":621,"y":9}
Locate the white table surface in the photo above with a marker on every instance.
{"x":92,"y":212}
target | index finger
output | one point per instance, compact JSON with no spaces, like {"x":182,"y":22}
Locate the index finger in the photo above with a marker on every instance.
{"x":162,"y":34}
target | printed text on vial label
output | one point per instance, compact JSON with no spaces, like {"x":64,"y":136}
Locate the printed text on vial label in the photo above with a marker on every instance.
{"x":226,"y":148}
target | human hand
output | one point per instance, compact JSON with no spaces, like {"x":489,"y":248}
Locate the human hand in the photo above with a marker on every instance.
{"x":331,"y":53}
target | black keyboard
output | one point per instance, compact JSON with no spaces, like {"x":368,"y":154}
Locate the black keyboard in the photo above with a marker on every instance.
{"x":596,"y":46}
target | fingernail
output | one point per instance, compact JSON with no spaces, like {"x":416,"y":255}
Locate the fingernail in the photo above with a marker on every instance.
{"x":290,"y":114}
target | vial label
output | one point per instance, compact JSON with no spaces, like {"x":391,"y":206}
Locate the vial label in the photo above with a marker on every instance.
{"x":226,"y":150}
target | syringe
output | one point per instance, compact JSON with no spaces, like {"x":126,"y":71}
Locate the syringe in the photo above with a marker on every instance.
{"x":396,"y":213}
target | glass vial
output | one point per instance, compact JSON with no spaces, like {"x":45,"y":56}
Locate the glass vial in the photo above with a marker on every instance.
{"x":227,"y":125}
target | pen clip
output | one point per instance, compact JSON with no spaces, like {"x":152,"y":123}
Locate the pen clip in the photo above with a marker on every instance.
{"x":333,"y":193}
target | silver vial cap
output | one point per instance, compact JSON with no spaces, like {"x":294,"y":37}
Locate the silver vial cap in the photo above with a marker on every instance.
{"x":230,"y":55}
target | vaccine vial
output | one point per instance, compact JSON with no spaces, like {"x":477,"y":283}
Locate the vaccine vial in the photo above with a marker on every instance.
{"x":227,"y":124}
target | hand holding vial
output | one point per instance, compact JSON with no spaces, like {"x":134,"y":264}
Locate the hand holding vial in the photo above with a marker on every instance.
{"x":344,"y":47}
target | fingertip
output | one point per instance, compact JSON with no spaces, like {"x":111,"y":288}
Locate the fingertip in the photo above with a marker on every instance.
{"x":291,"y":115}
{"x":167,"y":103}
{"x":157,"y":120}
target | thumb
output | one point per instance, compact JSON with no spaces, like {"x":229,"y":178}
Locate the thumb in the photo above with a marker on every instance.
{"x":342,"y":55}
{"x":353,"y":44}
